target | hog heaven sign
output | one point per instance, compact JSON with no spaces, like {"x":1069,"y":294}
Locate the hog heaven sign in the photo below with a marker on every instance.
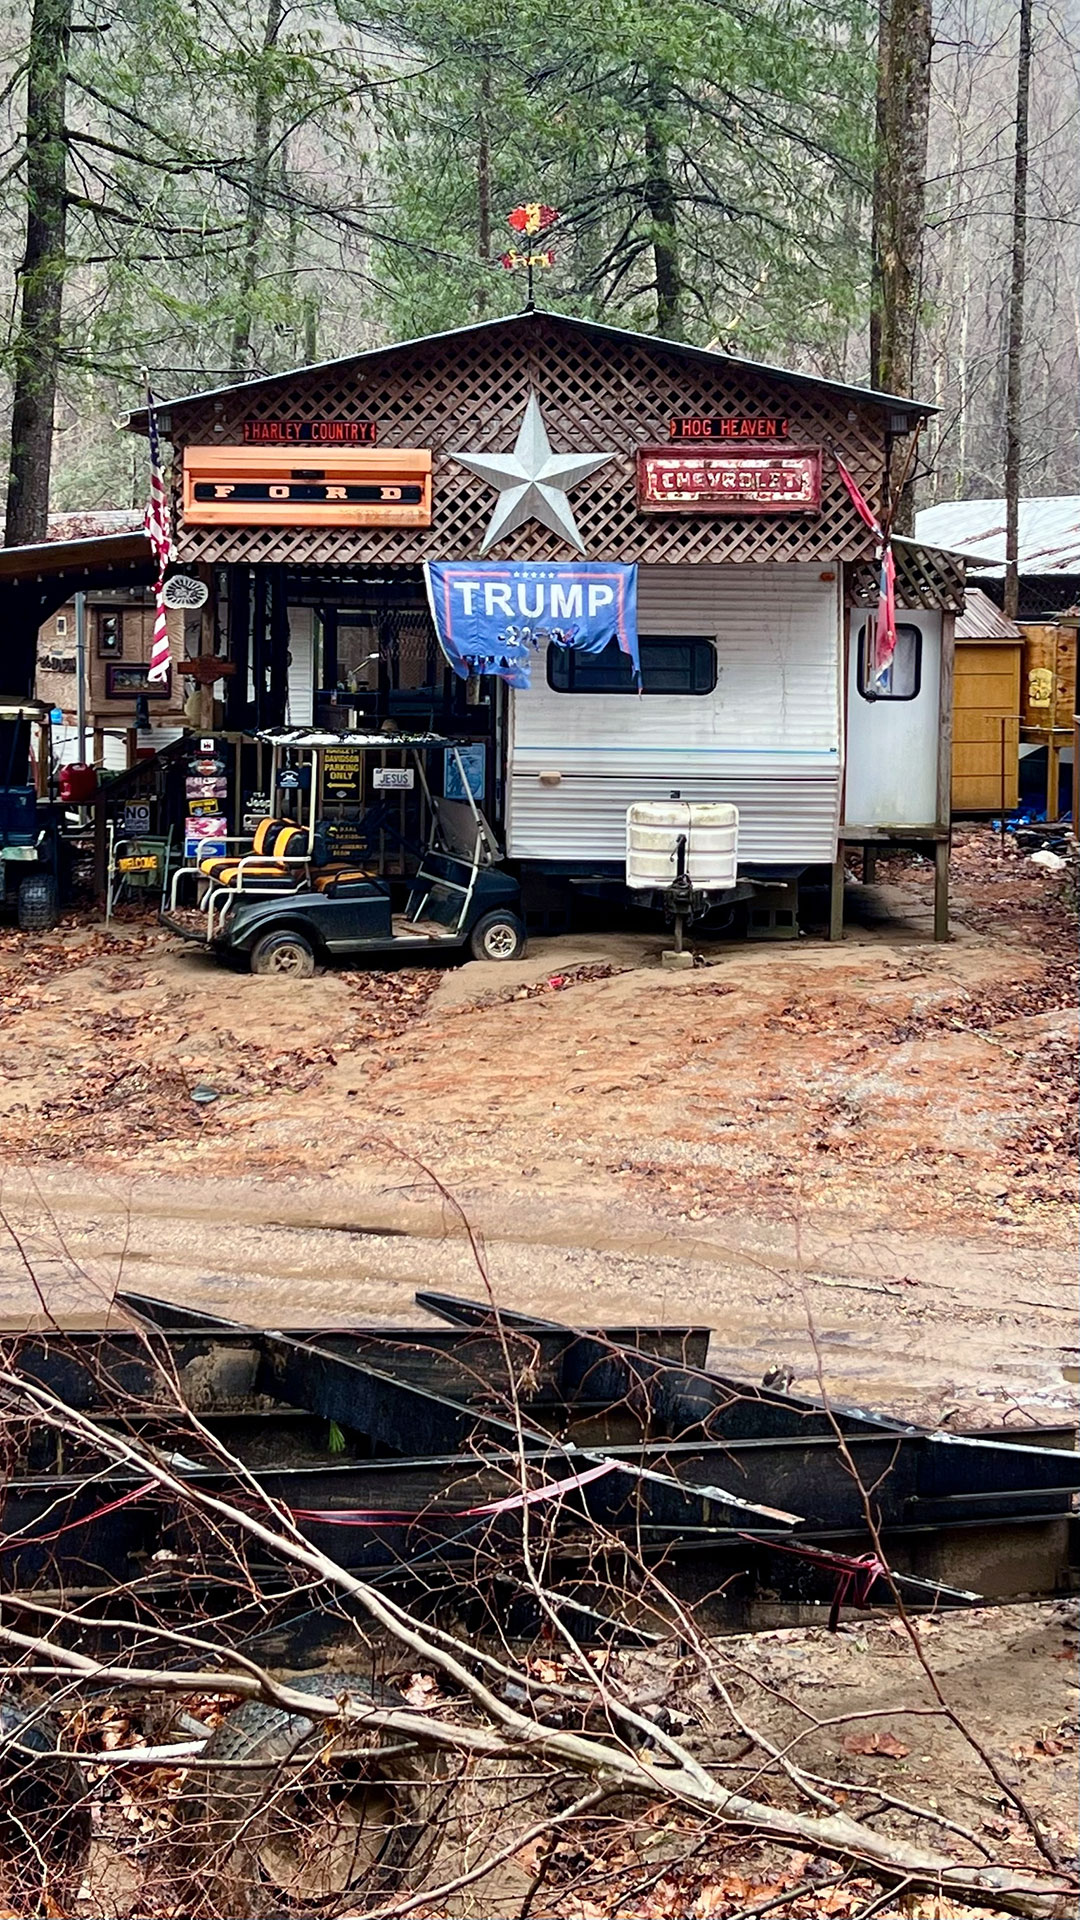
{"x":492,"y":618}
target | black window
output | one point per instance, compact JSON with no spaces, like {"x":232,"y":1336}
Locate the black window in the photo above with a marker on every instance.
{"x":670,"y":663}
{"x":902,"y":678}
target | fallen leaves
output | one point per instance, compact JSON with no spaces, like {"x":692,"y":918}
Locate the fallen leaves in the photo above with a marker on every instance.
{"x":570,"y":977}
{"x":1050,"y":1744}
{"x":879,"y":1744}
{"x":422,"y":1691}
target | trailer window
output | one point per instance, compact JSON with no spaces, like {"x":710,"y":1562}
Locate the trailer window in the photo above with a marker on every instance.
{"x":670,"y":663}
{"x":902,"y":678}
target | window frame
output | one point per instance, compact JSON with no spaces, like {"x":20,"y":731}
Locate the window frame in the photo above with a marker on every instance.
{"x":558,"y":655}
{"x":861,"y":663}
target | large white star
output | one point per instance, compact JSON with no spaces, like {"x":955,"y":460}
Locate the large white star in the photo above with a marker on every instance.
{"x":533,"y":482}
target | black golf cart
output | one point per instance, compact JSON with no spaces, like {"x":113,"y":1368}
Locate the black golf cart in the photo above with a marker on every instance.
{"x":289,"y":897}
{"x":34,"y":857}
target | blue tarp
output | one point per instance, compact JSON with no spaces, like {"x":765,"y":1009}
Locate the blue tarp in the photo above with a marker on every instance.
{"x":492,"y":616}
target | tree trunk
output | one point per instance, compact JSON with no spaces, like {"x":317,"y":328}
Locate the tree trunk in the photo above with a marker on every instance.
{"x":903,"y":116}
{"x":1015,"y":345}
{"x":660,"y":202}
{"x":41,"y":276}
{"x":258,"y":182}
{"x":483,"y":179}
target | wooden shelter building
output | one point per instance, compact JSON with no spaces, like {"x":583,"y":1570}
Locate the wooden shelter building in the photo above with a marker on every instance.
{"x":986,"y":708}
{"x":309,"y":501}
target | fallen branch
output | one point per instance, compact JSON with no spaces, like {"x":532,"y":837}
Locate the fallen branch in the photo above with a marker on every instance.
{"x":615,"y":1766}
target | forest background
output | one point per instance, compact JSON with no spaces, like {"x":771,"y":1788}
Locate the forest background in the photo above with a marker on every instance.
{"x":239,"y":186}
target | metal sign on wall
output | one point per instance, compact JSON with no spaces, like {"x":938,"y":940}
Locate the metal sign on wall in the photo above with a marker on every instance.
{"x":316,"y":433}
{"x":737,"y":426}
{"x":330,"y":487}
{"x":714,"y":482}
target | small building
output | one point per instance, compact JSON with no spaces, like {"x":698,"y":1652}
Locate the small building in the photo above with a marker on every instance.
{"x":986,"y":708}
{"x":117,"y":632}
{"x":85,"y":592}
{"x":1048,"y":561}
{"x":307,"y":503}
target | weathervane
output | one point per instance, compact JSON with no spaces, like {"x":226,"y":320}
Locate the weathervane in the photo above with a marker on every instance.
{"x":531,"y":219}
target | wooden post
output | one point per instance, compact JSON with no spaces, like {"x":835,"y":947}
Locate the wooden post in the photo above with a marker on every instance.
{"x":869,"y":866}
{"x":1053,"y":775}
{"x":941,"y":890}
{"x":836,"y":896}
{"x":101,"y":858}
{"x":205,"y":704}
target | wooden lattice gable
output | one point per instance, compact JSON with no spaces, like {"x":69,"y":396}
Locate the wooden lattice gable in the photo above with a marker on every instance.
{"x":927,"y":577}
{"x":598,"y":392}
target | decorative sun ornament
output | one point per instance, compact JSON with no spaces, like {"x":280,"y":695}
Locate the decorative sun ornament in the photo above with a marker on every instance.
{"x":533,"y":482}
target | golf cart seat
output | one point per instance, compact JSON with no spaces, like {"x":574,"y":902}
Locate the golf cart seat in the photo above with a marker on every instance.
{"x":342,"y":879}
{"x":278,"y":850}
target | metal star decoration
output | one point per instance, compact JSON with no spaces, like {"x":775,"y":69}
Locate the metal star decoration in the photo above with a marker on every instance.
{"x":532,"y":481}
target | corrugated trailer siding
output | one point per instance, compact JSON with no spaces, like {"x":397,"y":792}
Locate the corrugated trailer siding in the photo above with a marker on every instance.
{"x":767,"y":739}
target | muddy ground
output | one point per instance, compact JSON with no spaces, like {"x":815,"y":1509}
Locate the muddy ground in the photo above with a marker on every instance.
{"x":855,"y":1156}
{"x":855,"y":1162}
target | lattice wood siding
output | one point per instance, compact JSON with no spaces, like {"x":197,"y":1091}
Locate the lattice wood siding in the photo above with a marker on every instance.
{"x":925,"y":577}
{"x":470,"y":394}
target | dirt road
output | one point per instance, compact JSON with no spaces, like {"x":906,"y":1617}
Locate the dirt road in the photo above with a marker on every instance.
{"x":864,"y":1148}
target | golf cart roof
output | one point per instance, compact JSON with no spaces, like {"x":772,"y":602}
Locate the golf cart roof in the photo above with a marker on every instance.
{"x":323,"y":737}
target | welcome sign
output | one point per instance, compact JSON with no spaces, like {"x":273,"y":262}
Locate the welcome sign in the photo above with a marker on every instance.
{"x":492,"y":617}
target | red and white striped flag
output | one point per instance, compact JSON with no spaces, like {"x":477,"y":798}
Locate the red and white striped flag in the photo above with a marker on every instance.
{"x":883,"y":642}
{"x":159,"y":533}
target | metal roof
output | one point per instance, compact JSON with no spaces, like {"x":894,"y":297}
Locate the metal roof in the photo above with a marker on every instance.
{"x":594,"y":329}
{"x":982,"y":620}
{"x":99,"y":554}
{"x":1049,"y":533}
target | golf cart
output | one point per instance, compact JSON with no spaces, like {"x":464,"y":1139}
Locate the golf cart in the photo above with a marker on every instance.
{"x":32,"y":849}
{"x":290,"y":897}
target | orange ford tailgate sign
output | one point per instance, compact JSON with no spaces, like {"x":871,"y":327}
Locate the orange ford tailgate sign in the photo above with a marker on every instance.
{"x":290,"y":487}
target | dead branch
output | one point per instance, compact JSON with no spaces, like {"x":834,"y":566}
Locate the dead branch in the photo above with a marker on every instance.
{"x":615,"y":1766}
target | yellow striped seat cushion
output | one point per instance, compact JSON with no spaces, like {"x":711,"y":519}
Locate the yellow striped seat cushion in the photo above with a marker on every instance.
{"x":260,"y":873}
{"x":331,"y":877}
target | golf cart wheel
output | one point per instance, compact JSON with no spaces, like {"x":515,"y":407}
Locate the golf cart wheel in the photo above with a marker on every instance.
{"x":295,"y":1822}
{"x":284,"y":953}
{"x":39,"y":902}
{"x":498,"y":936}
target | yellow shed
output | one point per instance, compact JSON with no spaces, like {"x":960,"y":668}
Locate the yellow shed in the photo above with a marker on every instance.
{"x":986,"y":708}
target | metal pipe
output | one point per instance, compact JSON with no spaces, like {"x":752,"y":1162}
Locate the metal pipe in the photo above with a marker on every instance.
{"x":80,"y":676}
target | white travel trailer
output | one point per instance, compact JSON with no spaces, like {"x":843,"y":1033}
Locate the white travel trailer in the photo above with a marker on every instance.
{"x":755,"y":691}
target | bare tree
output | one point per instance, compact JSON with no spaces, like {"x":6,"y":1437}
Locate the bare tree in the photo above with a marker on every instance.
{"x":905,"y":40}
{"x":1015,"y":344}
{"x":41,"y":274}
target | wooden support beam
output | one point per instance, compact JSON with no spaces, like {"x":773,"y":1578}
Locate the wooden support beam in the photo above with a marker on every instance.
{"x":941,"y":890}
{"x":836,"y":896}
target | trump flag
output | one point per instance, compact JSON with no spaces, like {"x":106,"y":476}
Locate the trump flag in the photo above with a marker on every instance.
{"x":492,"y":617}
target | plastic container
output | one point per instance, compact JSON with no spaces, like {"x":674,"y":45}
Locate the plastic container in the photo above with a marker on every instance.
{"x":77,"y":783}
{"x":653,"y":828}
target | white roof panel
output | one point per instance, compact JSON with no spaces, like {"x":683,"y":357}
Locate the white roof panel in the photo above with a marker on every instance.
{"x":1049,"y":533}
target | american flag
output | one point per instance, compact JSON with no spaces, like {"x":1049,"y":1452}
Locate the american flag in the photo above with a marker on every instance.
{"x":159,"y":533}
{"x":883,"y":642}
